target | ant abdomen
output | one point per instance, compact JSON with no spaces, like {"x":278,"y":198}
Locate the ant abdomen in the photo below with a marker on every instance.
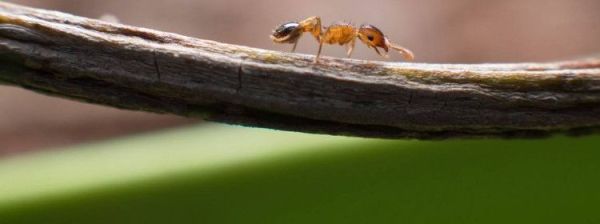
{"x":287,"y":33}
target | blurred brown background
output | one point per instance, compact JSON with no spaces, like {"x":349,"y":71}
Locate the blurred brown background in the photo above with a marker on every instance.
{"x":449,"y":31}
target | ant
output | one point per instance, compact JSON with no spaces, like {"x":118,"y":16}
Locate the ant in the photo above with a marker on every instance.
{"x":339,"y":33}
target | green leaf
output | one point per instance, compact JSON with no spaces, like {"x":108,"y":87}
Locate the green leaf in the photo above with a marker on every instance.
{"x":224,"y":174}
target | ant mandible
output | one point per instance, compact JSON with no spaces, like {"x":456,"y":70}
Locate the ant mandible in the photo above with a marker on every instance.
{"x":338,"y":33}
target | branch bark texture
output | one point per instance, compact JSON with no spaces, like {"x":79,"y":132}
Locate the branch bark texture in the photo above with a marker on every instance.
{"x":142,"y":69}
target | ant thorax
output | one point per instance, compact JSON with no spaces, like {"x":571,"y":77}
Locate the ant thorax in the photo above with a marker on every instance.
{"x":339,"y":33}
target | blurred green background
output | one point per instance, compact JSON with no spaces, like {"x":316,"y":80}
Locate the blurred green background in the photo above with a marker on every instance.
{"x":68,"y":162}
{"x":221,"y":174}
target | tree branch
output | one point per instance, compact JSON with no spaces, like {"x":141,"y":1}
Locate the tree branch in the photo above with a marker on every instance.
{"x":142,"y":69}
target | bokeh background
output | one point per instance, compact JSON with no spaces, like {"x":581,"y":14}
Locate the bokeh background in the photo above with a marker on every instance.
{"x":441,"y":31}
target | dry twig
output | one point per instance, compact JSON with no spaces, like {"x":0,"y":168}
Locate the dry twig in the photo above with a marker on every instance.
{"x":142,"y":69}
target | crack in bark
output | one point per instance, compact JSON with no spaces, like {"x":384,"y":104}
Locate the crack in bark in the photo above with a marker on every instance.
{"x":240,"y":72}
{"x":156,"y":65}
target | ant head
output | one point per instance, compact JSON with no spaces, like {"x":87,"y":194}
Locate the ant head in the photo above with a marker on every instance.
{"x":287,"y":33}
{"x":373,"y":37}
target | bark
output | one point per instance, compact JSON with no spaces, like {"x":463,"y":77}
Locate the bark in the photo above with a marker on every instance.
{"x":141,"y":69}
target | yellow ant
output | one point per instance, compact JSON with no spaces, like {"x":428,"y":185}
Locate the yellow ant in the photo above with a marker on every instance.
{"x":338,"y":33}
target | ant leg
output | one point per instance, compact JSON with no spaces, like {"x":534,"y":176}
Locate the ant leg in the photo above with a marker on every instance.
{"x":386,"y":55}
{"x":294,"y":47}
{"x":351,"y":48}
{"x":319,"y":52}
{"x":377,"y":50}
